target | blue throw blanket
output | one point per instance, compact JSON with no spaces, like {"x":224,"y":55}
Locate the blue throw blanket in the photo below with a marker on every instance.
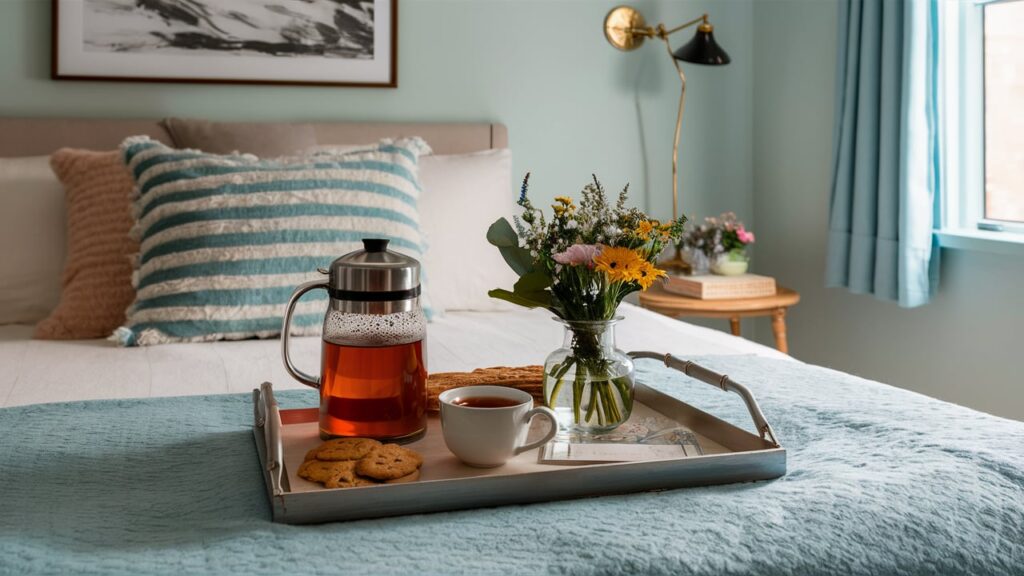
{"x":881,"y":481}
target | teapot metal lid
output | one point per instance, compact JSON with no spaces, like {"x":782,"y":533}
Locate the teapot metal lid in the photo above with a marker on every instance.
{"x":374,"y":274}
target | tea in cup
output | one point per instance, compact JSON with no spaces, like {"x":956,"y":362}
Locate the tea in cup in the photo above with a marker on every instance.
{"x":484,"y":426}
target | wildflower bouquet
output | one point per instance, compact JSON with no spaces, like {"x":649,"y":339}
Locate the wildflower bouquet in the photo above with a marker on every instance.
{"x":579,"y":265}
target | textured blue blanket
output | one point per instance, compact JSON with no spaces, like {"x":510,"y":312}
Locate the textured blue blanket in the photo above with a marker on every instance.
{"x":881,"y":481}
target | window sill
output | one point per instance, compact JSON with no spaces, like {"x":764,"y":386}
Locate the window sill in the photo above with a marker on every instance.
{"x":1007,"y":243}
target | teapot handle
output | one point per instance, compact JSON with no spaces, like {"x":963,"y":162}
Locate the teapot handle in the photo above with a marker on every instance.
{"x":312,"y":381}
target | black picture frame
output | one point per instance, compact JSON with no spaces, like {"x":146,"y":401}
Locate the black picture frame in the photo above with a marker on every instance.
{"x":58,"y":72}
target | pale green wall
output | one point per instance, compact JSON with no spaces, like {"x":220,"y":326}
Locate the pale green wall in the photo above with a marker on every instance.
{"x":572,"y":103}
{"x":965,"y":346}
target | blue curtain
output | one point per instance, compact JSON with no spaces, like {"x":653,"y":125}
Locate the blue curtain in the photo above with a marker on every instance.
{"x":886,"y":168}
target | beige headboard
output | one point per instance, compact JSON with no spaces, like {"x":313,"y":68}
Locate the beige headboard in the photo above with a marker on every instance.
{"x":40,"y":136}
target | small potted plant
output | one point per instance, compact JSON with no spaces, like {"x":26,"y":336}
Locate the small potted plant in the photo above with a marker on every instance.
{"x":721,"y":242}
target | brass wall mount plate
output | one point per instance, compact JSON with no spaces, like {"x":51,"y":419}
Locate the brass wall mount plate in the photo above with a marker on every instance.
{"x":619,"y":25}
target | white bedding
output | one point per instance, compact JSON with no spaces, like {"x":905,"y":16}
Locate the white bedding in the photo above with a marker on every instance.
{"x":35,"y":371}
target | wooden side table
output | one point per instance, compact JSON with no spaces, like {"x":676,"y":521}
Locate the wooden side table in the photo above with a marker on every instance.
{"x":656,"y":298}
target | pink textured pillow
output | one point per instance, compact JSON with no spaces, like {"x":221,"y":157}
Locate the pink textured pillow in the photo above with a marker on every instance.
{"x":97,"y":286}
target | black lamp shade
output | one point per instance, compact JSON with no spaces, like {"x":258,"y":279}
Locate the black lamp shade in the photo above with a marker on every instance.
{"x":702,"y":50}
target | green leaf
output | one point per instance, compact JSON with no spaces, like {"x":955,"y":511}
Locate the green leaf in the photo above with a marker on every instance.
{"x":518,"y":259}
{"x":529,"y":300}
{"x":534,"y":281}
{"x":502,"y":235}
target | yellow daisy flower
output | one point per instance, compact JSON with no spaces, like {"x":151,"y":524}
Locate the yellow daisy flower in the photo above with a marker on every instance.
{"x":647,"y":274}
{"x":666,"y":232}
{"x":619,"y":264}
{"x":644,"y":229}
{"x":564,"y":200}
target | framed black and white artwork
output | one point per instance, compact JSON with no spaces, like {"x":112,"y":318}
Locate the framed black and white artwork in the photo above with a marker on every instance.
{"x":315,"y":42}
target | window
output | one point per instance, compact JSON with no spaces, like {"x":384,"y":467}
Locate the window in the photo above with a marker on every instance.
{"x":983,"y":119}
{"x":1003,"y":50}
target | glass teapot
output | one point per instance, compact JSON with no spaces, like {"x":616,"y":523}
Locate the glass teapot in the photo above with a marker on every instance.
{"x":373,"y":371}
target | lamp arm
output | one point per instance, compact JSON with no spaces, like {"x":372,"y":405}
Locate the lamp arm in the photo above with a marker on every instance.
{"x":662,"y":32}
{"x":676,"y":204}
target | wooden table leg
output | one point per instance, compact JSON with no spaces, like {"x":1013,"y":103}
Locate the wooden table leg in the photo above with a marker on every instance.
{"x":734,"y":325}
{"x":779,"y":329}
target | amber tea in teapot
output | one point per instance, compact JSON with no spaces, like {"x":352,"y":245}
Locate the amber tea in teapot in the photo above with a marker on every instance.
{"x":373,"y":391}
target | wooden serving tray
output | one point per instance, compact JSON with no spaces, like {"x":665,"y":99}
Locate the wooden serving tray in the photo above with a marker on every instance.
{"x":731,"y":454}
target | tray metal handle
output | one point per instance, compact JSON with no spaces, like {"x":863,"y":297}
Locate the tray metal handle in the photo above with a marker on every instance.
{"x":268,"y":418}
{"x":717,"y":380}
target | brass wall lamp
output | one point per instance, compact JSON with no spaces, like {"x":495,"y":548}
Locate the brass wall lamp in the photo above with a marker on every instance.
{"x":626,"y":29}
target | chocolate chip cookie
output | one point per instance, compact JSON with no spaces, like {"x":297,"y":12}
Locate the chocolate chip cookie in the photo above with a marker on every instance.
{"x":389,"y":462}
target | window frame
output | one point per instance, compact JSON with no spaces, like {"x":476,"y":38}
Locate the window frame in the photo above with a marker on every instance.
{"x":962,"y":222}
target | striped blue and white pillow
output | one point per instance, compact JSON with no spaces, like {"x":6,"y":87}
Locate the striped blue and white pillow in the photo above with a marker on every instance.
{"x":225,"y":239}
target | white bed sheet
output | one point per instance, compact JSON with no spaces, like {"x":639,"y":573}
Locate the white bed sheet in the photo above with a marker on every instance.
{"x":35,"y":371}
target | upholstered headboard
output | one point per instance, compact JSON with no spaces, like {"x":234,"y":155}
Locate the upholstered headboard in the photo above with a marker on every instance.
{"x":39,"y":136}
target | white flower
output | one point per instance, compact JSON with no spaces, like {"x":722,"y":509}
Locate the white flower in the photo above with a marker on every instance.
{"x":571,"y":225}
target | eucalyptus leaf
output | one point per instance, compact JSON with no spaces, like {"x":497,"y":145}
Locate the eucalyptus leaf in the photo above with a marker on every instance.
{"x":540,"y":299}
{"x":502,"y":235}
{"x":518,"y":259}
{"x":534,"y":281}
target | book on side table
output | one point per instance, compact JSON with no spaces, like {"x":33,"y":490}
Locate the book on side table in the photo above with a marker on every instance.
{"x":714,"y":287}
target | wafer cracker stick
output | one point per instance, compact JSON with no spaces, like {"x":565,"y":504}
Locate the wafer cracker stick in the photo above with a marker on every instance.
{"x":529,"y":379}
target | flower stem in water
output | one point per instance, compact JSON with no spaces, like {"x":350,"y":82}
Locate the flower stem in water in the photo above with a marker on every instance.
{"x":593,"y":403}
{"x":559,"y":376}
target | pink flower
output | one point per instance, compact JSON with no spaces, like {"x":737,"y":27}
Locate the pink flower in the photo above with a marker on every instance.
{"x":578,"y":254}
{"x":744,"y":236}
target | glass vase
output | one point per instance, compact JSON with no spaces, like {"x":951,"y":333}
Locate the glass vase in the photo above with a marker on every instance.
{"x":588,"y":382}
{"x":699,"y":263}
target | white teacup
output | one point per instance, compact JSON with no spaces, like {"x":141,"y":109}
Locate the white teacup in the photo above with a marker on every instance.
{"x":486,"y":437}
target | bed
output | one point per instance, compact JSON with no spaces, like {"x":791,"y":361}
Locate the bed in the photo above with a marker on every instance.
{"x":141,"y":460}
{"x":39,"y":371}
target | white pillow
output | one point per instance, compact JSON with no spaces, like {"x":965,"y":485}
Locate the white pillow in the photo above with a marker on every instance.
{"x":463,"y":194}
{"x":32,"y":239}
